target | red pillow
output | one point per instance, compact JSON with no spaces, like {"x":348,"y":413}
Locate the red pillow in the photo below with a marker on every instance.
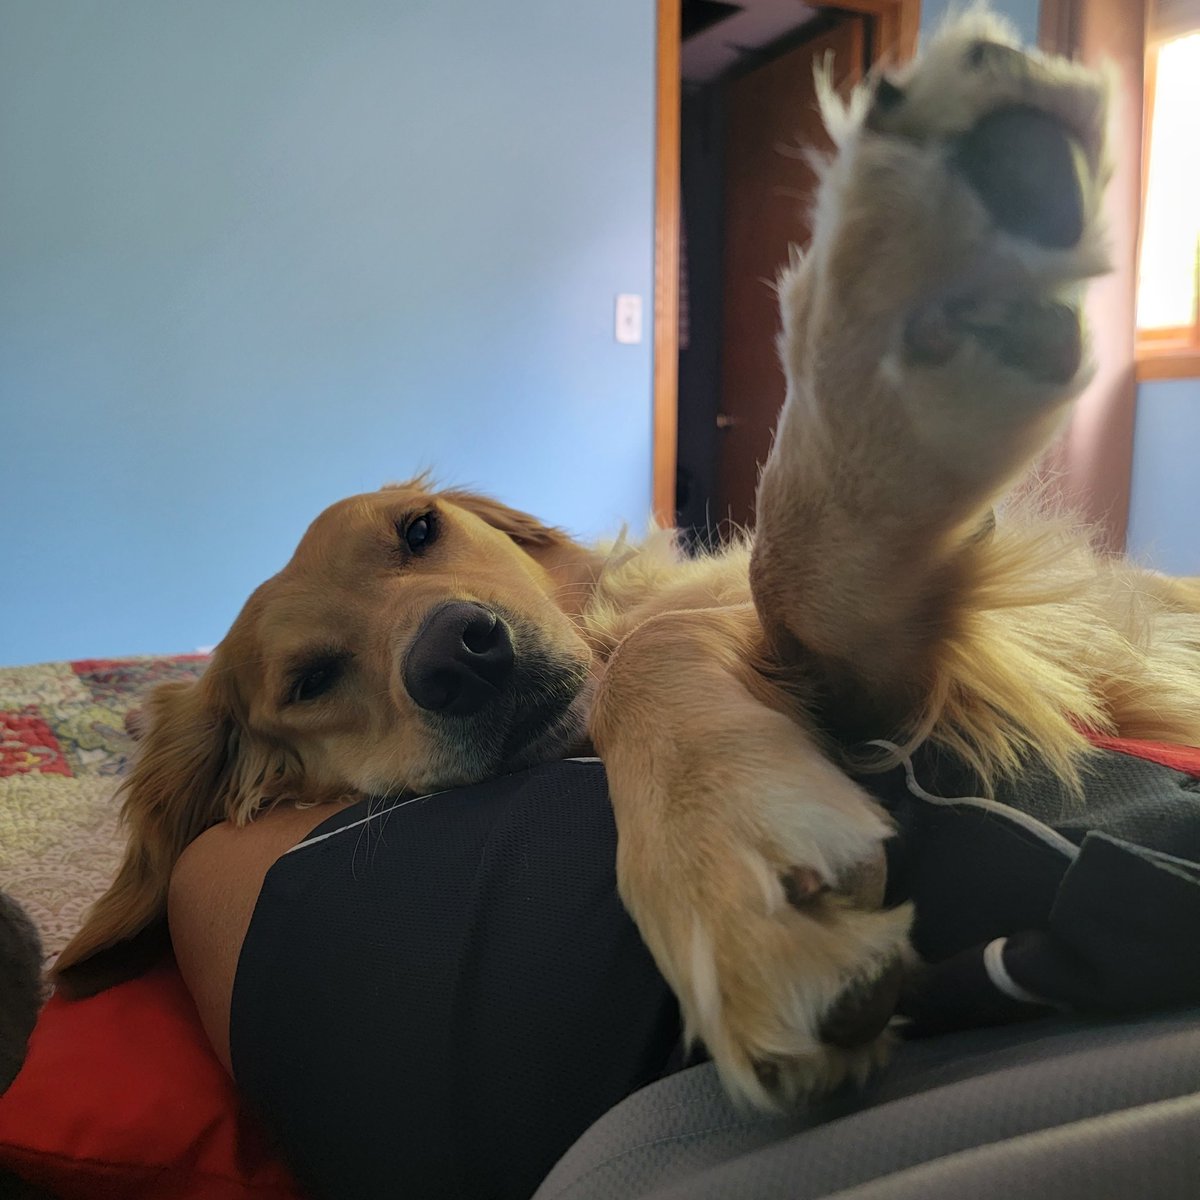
{"x":122,"y":1098}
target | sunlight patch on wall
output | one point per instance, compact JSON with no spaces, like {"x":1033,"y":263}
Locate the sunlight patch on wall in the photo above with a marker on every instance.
{"x":1170,"y":252}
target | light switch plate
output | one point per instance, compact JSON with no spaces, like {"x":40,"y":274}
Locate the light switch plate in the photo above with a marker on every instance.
{"x":629,"y":319}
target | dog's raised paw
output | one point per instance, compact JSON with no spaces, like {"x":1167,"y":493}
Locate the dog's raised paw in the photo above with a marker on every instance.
{"x":1024,"y":137}
{"x":955,"y":230}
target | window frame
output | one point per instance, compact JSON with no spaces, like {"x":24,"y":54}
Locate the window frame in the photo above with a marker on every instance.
{"x":1164,"y":352}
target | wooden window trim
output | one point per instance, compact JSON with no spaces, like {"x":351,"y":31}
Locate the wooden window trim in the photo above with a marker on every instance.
{"x":1166,"y":337}
{"x":1154,"y":362}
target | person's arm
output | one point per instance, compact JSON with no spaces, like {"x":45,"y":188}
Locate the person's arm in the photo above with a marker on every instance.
{"x":214,"y":889}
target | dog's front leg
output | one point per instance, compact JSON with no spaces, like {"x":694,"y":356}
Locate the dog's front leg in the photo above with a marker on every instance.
{"x":753,"y":867}
{"x":931,"y":340}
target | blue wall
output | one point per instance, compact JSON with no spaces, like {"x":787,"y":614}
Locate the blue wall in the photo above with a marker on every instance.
{"x":1022,"y":13}
{"x":255,"y":257}
{"x":1164,"y":506}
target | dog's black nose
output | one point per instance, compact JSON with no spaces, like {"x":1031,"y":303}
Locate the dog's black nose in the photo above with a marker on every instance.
{"x":1027,"y":170}
{"x":460,"y":659}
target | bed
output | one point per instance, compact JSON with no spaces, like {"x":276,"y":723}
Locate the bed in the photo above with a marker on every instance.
{"x":1045,"y":1109}
{"x":64,"y":747}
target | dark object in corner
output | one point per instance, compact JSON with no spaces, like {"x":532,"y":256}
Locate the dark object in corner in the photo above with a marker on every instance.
{"x":20,"y":986}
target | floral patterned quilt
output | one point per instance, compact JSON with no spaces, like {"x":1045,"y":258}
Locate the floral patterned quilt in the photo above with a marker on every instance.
{"x":63,"y":750}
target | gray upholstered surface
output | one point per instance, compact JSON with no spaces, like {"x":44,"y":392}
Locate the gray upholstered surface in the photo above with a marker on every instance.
{"x":947,"y":1116}
{"x":1151,"y":1152}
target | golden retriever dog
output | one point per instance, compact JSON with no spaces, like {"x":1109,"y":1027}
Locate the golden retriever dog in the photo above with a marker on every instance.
{"x":932,"y":341}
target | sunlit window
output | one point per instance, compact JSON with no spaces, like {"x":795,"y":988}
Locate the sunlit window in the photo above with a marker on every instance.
{"x":1168,"y":295}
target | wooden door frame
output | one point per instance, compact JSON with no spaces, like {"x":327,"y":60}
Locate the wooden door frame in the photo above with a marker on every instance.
{"x":666,"y":263}
{"x":896,"y":25}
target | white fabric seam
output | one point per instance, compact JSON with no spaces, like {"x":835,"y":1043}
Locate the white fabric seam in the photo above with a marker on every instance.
{"x":1002,"y":981}
{"x":383,"y":812}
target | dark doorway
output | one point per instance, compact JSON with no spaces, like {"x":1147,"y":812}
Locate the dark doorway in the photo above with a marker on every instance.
{"x":745,"y":187}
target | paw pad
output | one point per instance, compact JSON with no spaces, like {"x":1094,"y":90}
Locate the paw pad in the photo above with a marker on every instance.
{"x":994,"y":54}
{"x":888,"y":98}
{"x":1026,"y":168}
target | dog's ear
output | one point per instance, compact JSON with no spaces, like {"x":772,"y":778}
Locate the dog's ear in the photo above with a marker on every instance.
{"x":524,"y":529}
{"x":172,"y":794}
{"x":573,"y":567}
{"x":194,"y":767}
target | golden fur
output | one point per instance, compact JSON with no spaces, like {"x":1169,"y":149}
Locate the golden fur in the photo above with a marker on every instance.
{"x":878,"y":598}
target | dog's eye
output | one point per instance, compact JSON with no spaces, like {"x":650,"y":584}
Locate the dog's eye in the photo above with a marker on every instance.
{"x":420,"y":532}
{"x":314,"y":681}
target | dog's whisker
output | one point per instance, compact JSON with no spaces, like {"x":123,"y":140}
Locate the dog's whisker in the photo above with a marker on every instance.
{"x":358,"y":840}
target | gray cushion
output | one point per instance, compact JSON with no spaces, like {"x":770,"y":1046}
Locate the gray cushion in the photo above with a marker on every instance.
{"x":951,"y":1116}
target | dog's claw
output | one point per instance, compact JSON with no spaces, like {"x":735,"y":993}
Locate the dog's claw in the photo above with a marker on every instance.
{"x":863,"y":1010}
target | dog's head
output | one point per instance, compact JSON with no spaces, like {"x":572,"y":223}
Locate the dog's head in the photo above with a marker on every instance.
{"x":416,"y":640}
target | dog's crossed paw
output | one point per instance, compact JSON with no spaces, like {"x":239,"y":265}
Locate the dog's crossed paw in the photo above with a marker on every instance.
{"x":763,"y":911}
{"x":794,"y":1002}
